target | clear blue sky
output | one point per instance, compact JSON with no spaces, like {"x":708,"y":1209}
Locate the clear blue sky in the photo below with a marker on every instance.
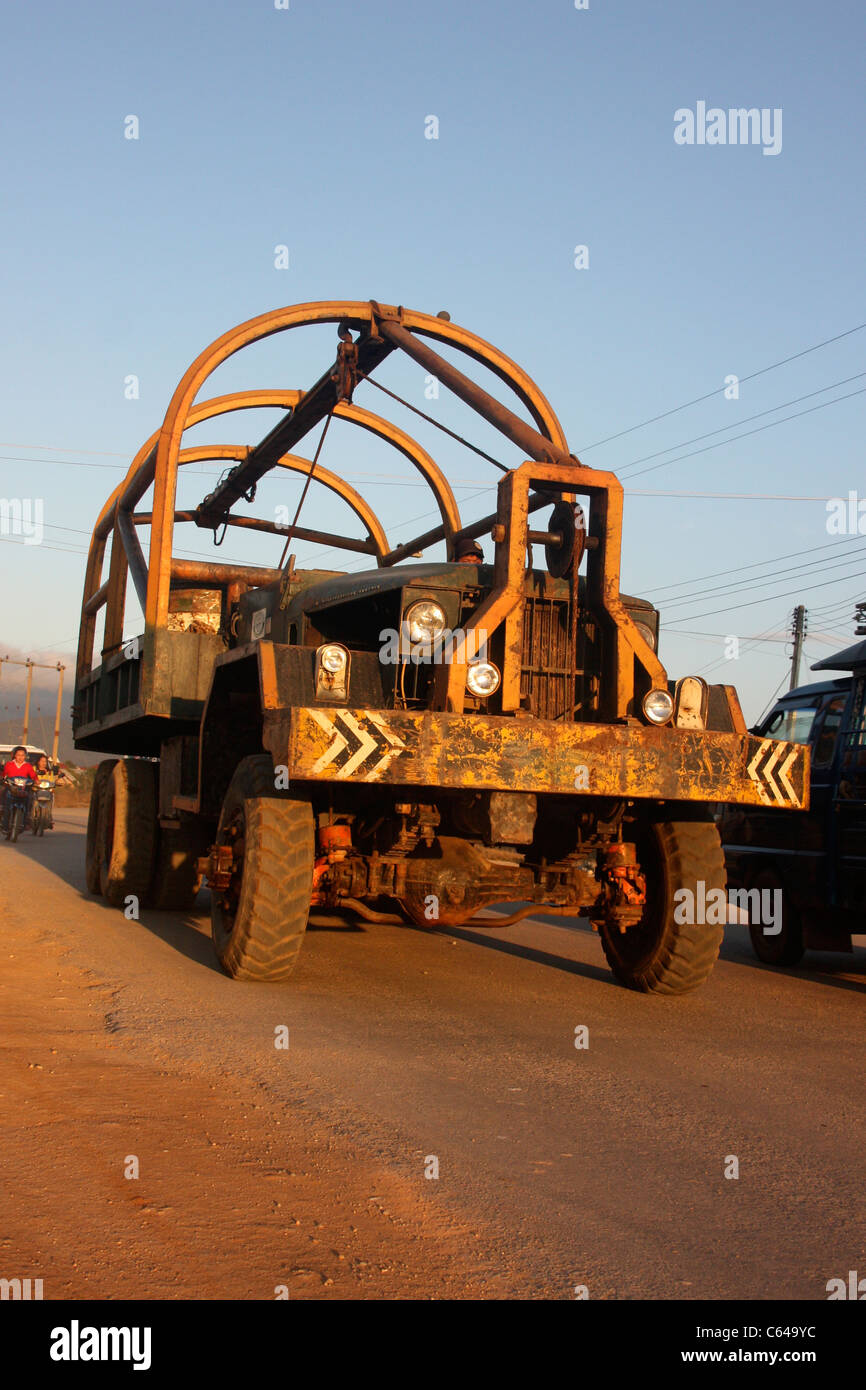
{"x":305,"y":127}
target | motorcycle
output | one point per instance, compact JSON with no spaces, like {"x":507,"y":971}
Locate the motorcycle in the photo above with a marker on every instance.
{"x":42,"y":813}
{"x":15,"y":806}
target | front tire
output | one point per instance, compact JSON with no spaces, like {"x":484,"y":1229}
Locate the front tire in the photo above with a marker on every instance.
{"x":259,"y":920}
{"x":660,"y":955}
{"x":785,"y":947}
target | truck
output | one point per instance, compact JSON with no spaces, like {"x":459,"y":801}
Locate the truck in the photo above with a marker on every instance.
{"x":815,"y":861}
{"x":419,"y":738}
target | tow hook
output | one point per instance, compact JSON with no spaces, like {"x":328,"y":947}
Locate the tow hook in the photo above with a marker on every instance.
{"x":335,"y":842}
{"x":218,"y":866}
{"x":623,"y":895}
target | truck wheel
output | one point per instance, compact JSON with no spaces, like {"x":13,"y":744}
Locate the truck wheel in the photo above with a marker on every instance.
{"x":786,"y":947}
{"x":660,"y":955}
{"x":127,"y":831}
{"x":175,"y":880}
{"x":259,"y":920}
{"x":91,"y":852}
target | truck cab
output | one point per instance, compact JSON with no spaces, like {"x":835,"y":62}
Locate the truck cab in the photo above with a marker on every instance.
{"x":816,"y":858}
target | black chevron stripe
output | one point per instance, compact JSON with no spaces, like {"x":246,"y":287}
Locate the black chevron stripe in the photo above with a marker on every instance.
{"x":382,"y":744}
{"x":352,"y":746}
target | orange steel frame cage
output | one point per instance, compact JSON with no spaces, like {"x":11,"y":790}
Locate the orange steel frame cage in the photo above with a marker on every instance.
{"x":381,"y":329}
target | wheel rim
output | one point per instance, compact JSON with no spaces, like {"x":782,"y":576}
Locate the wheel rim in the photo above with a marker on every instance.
{"x":227,"y":900}
{"x":636,"y":947}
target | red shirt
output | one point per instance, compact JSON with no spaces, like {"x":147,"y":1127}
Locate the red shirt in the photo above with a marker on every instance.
{"x":13,"y":769}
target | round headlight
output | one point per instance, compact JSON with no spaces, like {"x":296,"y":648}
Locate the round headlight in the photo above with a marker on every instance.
{"x":483,"y":678}
{"x":425,"y":621}
{"x":647,"y":634}
{"x":332,"y":659}
{"x":658,"y":706}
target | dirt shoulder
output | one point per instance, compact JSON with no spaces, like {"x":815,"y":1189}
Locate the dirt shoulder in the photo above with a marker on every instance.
{"x":217,"y":1211}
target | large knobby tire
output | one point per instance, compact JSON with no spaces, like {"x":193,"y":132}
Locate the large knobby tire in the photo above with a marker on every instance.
{"x":174,"y":883}
{"x":259,"y":922}
{"x":660,"y":955}
{"x":785,"y":947}
{"x":127,"y":831}
{"x":91,"y":852}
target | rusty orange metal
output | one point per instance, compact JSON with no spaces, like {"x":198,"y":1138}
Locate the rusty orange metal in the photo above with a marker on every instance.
{"x":708,"y":767}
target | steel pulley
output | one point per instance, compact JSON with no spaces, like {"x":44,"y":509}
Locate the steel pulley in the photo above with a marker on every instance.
{"x":568,"y":523}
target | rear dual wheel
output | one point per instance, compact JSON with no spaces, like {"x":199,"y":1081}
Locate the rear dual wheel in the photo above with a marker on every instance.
{"x":128,"y":853}
{"x":92,"y":855}
{"x":127,"y":831}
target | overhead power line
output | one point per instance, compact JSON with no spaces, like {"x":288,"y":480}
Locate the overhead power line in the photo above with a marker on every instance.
{"x":734,"y":607}
{"x":738,"y":585}
{"x":719,"y":389}
{"x":720,"y":443}
{"x":783,"y":405}
{"x":757,"y":564}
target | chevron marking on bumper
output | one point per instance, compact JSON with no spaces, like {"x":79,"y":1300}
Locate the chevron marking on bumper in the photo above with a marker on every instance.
{"x":354,"y":742}
{"x":761,"y":770}
{"x":783,"y":776}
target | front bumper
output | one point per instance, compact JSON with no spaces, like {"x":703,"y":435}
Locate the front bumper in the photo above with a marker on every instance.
{"x":487,"y":752}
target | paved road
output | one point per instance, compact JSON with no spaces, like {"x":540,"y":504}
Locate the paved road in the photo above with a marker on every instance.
{"x":304,"y":1169}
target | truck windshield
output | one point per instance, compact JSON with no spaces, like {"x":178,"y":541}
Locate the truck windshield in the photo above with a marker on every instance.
{"x":792,"y":723}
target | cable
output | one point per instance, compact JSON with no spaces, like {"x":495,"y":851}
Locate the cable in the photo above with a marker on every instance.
{"x":751,"y":645}
{"x":438,"y":423}
{"x":693,"y":617}
{"x":698,"y":399}
{"x":783,"y":405}
{"x":304,"y":490}
{"x":798,"y":414}
{"x":737,"y":585}
{"x":839,"y":603}
{"x":756,"y":565}
{"x":772,"y":700}
{"x":62,"y":448}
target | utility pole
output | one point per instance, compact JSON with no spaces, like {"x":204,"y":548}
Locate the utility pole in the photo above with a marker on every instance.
{"x":54,"y":747}
{"x":24,"y":732}
{"x":798,"y":632}
{"x":31,"y":666}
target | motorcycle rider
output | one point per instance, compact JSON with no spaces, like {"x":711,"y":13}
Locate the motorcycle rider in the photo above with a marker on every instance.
{"x":54,"y":771}
{"x":18,"y":766}
{"x":55,"y":776}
